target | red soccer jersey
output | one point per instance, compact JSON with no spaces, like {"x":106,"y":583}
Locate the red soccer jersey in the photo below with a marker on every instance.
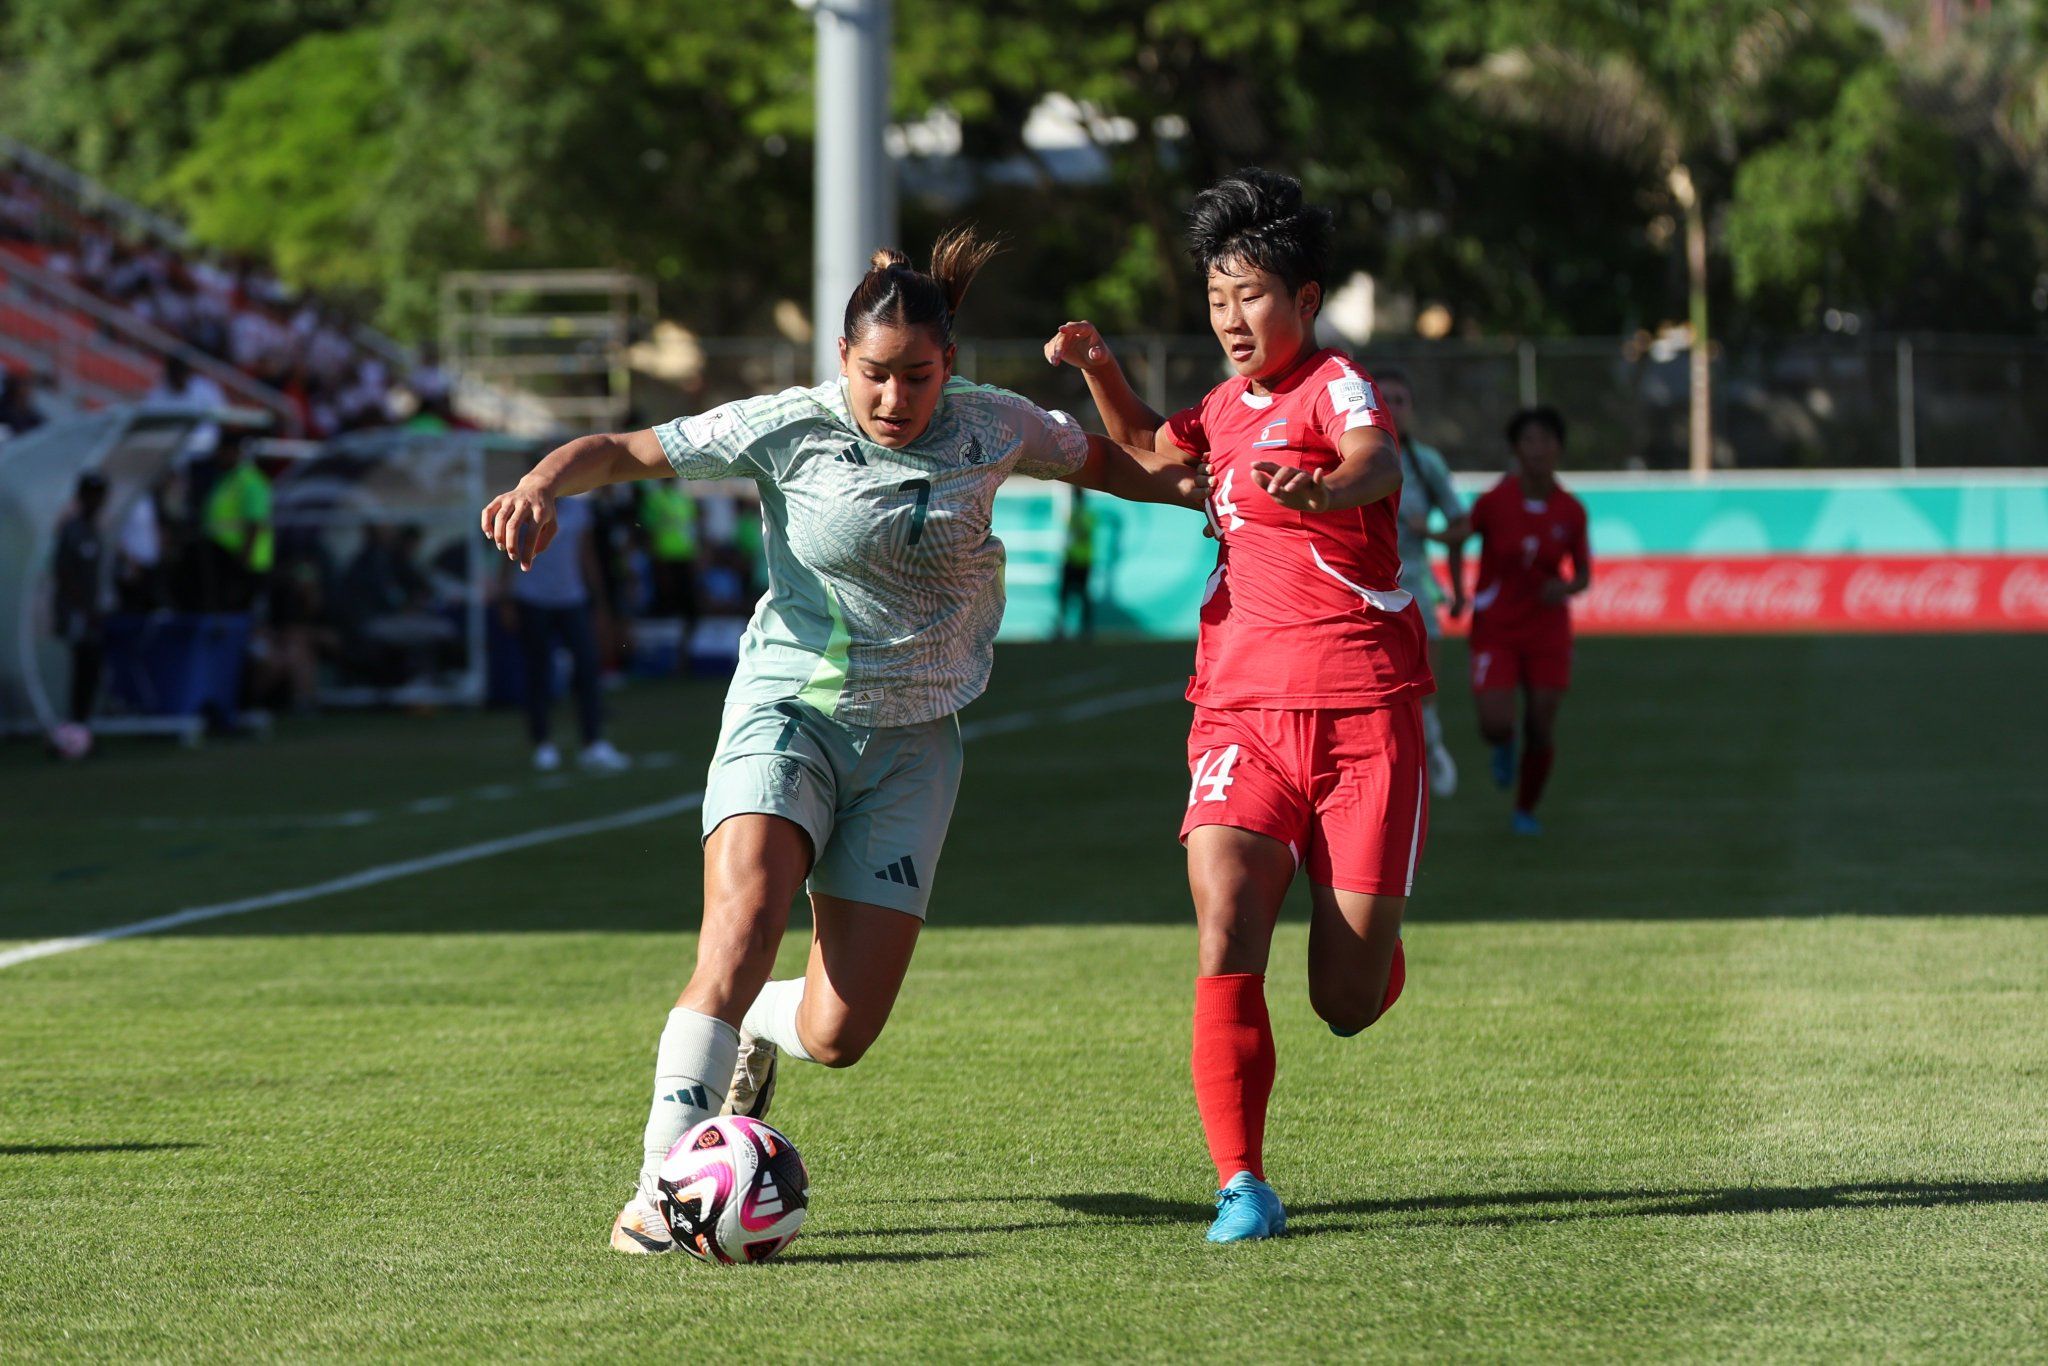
{"x":1523,"y":543}
{"x":1305,"y":609}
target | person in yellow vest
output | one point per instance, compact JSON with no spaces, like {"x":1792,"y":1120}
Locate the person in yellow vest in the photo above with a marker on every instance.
{"x":1077,"y":565}
{"x":668,"y":519}
{"x":238,"y":542}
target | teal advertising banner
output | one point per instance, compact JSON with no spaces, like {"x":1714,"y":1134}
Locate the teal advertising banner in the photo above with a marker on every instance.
{"x":1151,"y":562}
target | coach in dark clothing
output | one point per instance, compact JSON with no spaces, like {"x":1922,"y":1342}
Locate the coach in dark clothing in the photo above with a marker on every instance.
{"x":81,"y":553}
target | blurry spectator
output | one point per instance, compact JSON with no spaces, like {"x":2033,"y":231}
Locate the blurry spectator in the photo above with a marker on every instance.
{"x":552,"y":606}
{"x":180,"y":386}
{"x":79,"y":611}
{"x":668,"y":518}
{"x":300,"y":633}
{"x":21,"y":211}
{"x":139,"y":552}
{"x":18,"y":411}
{"x":429,"y":383}
{"x":238,"y":542}
{"x":1077,"y":567}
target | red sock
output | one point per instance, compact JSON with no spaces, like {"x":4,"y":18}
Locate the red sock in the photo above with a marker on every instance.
{"x":1535,"y":773}
{"x":1233,"y":1070}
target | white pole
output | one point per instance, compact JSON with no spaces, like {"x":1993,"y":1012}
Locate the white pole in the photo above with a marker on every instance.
{"x":854,"y":190}
{"x":1909,"y":435}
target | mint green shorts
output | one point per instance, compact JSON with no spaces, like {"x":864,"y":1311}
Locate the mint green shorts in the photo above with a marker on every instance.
{"x":875,"y":800}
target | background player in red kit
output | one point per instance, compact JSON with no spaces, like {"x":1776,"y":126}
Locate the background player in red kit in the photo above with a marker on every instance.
{"x":1307,"y":748}
{"x":1528,"y":526}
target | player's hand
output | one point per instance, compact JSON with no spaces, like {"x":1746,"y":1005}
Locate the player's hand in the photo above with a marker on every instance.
{"x":1078,"y":344}
{"x":1554,"y":591}
{"x":1302,"y":490}
{"x":521,"y":523}
{"x":1191,"y":483}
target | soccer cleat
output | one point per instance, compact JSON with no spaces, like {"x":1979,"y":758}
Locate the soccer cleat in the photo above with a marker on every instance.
{"x":546,"y":758}
{"x":599,"y":757}
{"x":1527,"y":824}
{"x":1247,"y":1208}
{"x":640,"y":1230}
{"x":1443,"y":771}
{"x":753,"y":1079}
{"x":1504,"y":765}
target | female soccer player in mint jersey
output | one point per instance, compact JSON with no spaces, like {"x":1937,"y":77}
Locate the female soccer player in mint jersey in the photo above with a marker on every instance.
{"x":1307,"y":748}
{"x":1528,"y":527}
{"x":839,"y":755}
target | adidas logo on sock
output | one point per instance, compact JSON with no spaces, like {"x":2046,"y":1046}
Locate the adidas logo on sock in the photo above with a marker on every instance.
{"x":689,"y":1095}
{"x":849,"y":456}
{"x":902,"y":871}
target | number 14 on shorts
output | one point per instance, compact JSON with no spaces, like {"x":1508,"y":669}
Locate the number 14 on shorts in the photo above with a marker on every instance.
{"x":1212,"y":771}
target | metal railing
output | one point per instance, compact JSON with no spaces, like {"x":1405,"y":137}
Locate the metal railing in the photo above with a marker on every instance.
{"x":1924,"y":400}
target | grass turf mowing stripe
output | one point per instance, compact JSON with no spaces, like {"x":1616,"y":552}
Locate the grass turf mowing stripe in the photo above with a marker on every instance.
{"x":1068,"y":714}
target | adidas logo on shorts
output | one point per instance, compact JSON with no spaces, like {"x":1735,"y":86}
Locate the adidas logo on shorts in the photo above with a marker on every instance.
{"x":902,"y":871}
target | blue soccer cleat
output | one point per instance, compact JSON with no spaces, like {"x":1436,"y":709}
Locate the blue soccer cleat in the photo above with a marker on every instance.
{"x":1247,"y":1208}
{"x":1526,"y":824}
{"x":1504,"y":765}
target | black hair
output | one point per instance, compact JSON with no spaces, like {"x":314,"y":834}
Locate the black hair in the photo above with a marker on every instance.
{"x":1543,"y":415}
{"x":1257,"y":218}
{"x":896,"y":293}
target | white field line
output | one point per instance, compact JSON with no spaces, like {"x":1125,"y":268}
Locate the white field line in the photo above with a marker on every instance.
{"x":470,"y":853}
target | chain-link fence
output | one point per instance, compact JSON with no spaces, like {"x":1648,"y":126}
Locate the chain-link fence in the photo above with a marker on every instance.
{"x":1808,"y":403}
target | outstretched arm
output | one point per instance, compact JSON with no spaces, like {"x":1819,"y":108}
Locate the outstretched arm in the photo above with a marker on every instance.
{"x":1141,"y":476}
{"x":1125,"y":416}
{"x":522,"y":522}
{"x":1369,"y":469}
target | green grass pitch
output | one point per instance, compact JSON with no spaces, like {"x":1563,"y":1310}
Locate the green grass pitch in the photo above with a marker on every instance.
{"x":1747,"y":1057}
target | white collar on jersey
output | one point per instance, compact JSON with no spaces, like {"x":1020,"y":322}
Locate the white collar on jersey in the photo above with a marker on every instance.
{"x":1252,"y":400}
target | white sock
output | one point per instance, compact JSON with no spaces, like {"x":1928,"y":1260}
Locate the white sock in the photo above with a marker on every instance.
{"x":773,"y":1017}
{"x":692,"y":1070}
{"x":1432,"y":727}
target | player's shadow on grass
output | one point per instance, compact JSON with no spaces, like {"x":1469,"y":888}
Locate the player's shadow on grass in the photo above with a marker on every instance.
{"x":56,"y":1149}
{"x":1508,"y":1208}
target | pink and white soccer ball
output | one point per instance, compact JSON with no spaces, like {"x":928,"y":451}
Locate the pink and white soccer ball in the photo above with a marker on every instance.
{"x":70,"y":741}
{"x":733,"y":1190}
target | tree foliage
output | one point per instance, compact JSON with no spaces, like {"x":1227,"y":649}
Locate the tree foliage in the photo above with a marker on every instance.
{"x":1509,"y":159}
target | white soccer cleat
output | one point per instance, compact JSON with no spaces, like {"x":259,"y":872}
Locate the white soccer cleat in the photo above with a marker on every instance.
{"x":546,"y":758}
{"x":640,"y":1230}
{"x":753,"y":1079}
{"x":1443,"y":771}
{"x":600,"y":757}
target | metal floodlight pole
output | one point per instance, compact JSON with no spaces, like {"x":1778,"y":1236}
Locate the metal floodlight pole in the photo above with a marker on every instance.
{"x":853,"y":207}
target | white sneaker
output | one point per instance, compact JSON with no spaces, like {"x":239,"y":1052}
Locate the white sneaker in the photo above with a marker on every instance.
{"x":600,"y":757}
{"x":640,"y":1229}
{"x":546,"y":758}
{"x":1443,"y":771}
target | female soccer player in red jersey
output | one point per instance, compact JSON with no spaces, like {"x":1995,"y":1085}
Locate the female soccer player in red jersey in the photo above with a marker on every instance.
{"x":1307,"y":748}
{"x":1528,"y":527}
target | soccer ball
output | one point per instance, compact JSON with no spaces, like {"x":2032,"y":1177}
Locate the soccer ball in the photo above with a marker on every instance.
{"x":733,"y":1190}
{"x":70,"y":741}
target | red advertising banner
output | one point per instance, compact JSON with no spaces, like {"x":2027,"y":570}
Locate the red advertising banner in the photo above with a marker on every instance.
{"x":1891,"y":593}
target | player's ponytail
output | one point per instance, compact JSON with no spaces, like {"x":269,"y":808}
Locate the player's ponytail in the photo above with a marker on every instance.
{"x":896,"y":293}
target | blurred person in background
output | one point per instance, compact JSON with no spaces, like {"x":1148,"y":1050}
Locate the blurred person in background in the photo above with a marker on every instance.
{"x":79,"y":614}
{"x":1077,"y":566}
{"x":180,"y":386}
{"x":139,"y":549}
{"x":1528,"y":526}
{"x":668,"y":520}
{"x":1425,"y":488}
{"x":18,"y":412}
{"x":551,"y":603}
{"x":237,"y":541}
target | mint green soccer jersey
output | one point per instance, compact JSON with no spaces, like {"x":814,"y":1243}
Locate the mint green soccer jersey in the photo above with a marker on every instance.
{"x":885,"y":583}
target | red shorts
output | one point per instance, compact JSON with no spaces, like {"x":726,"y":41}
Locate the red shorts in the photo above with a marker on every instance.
{"x":1344,"y":790}
{"x":1536,"y":660}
